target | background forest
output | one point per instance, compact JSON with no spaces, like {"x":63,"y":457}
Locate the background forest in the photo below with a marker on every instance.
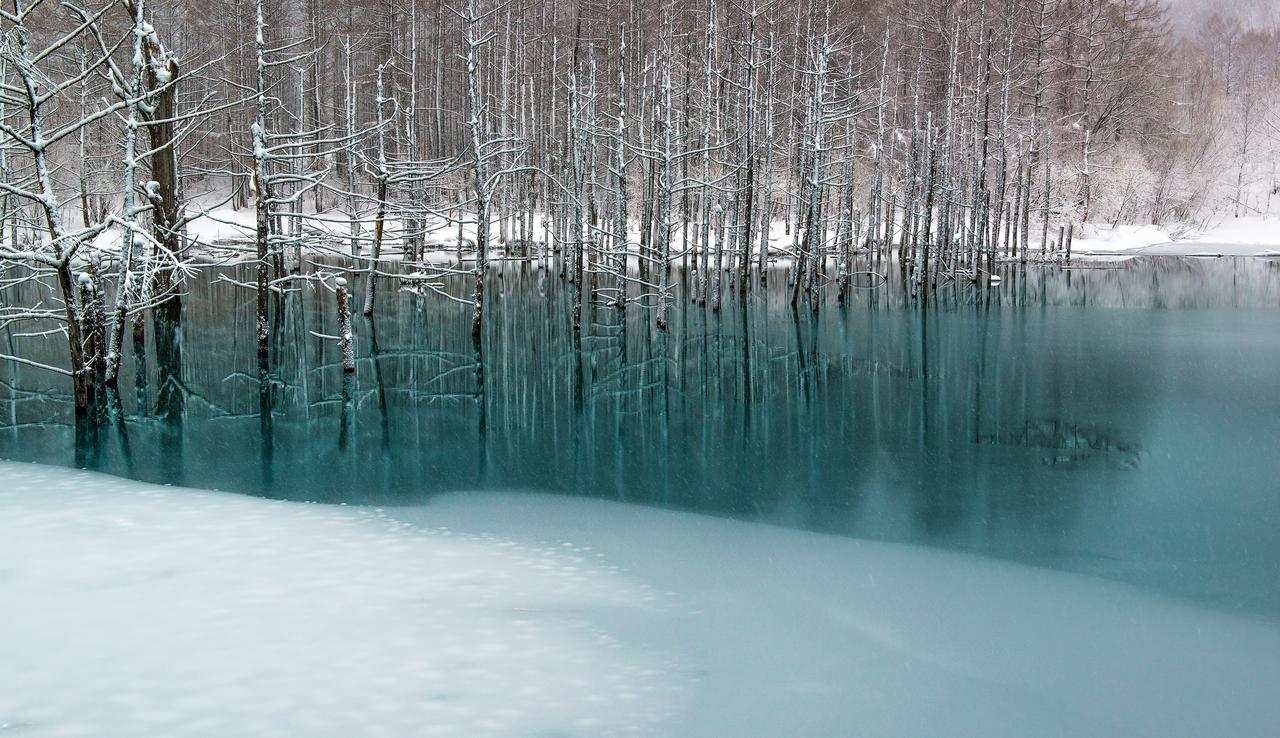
{"x":625,"y":137}
{"x":1142,"y":120}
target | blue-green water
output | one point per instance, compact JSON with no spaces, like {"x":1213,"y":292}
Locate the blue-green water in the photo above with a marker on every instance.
{"x":1122,"y":422}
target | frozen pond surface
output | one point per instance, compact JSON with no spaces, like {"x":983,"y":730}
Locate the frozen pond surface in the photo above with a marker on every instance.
{"x":1117,"y":420}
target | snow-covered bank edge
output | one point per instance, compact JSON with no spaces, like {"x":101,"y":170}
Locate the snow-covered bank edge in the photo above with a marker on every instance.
{"x":1251,"y":236}
{"x":131,"y":609}
{"x":128,"y":609}
{"x":815,"y":635}
{"x":221,"y":234}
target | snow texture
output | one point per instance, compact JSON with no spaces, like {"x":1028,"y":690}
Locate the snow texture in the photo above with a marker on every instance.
{"x":1250,"y":236}
{"x":136,"y":610}
{"x":803,"y":634}
{"x":132,"y":610}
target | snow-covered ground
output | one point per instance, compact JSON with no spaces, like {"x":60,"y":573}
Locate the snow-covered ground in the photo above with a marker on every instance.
{"x":133,"y":610}
{"x":128,"y":609}
{"x":1251,"y":236}
{"x":223,"y":231}
{"x":802,"y":634}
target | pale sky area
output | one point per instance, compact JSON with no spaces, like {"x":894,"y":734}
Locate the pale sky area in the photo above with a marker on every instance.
{"x":1255,"y":13}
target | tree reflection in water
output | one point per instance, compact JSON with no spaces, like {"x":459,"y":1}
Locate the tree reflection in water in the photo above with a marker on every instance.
{"x":1032,"y":420}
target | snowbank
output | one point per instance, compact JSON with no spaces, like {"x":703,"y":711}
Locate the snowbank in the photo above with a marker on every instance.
{"x":1105,"y":240}
{"x":133,"y":610}
{"x":1250,"y":236}
{"x":1250,"y":231}
{"x":801,"y":634}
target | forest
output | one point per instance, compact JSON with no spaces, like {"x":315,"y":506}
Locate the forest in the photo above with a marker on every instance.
{"x":409,"y":144}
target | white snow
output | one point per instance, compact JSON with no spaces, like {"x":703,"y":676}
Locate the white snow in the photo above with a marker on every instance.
{"x":1250,"y":230}
{"x":802,"y":634}
{"x":133,"y":610}
{"x":1248,"y":236}
{"x":1105,"y":240}
{"x":128,"y":609}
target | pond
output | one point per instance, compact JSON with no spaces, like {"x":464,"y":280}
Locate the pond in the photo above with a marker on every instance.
{"x":1119,"y":419}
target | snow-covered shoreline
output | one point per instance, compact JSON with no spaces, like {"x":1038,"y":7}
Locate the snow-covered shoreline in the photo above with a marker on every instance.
{"x":1251,"y":236}
{"x":223,"y":233}
{"x":137,"y":610}
{"x":807,"y":634}
{"x":134,"y":610}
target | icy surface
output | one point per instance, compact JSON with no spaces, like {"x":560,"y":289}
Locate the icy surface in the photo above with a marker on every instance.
{"x":801,"y":634}
{"x":134,"y":610}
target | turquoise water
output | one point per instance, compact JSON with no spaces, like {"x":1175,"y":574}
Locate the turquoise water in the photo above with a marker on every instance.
{"x":1122,"y":422}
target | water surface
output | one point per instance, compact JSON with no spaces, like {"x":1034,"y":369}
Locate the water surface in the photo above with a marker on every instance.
{"x":1119,"y":421}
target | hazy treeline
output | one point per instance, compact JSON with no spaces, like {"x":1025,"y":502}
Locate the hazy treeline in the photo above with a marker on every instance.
{"x":1143,"y":124}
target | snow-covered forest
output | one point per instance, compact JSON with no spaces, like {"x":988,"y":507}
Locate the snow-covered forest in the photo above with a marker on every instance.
{"x":627,"y":138}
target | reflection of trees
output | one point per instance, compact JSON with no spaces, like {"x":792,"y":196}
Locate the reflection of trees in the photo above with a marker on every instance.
{"x":1064,"y":442}
{"x":974,"y":416}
